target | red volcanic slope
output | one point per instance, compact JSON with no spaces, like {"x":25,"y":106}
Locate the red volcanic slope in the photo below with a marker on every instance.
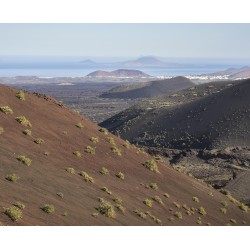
{"x":46,"y":177}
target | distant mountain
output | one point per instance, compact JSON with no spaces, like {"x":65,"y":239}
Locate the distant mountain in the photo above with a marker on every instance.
{"x":149,"y":89}
{"x":89,"y":63}
{"x":118,"y":73}
{"x":147,"y":61}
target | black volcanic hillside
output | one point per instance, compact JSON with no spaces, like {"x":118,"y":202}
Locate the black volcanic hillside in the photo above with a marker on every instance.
{"x":217,"y":120}
{"x":149,"y":89}
{"x":57,"y":168}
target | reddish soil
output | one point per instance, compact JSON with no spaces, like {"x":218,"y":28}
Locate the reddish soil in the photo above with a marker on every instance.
{"x":39,"y":183}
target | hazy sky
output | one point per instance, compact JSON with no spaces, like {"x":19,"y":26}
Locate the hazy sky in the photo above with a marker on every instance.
{"x":131,"y":40}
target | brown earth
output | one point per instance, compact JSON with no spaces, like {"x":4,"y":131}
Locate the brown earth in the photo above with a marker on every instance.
{"x":39,"y":183}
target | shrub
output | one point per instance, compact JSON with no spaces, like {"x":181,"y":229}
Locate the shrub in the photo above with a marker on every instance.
{"x":177,"y":205}
{"x":120,"y":175}
{"x":39,"y":141}
{"x":117,"y":200}
{"x":46,"y":153}
{"x":127,"y":144}
{"x":224,"y":203}
{"x":95,"y":214}
{"x":20,"y":95}
{"x":223,"y":191}
{"x":77,"y":153}
{"x":148,"y":202}
{"x":243,"y":207}
{"x":106,"y":209}
{"x":60,"y":194}
{"x":6,"y":110}
{"x":71,"y":170}
{"x":116,"y":150}
{"x":1,"y":130}
{"x":12,"y":177}
{"x":196,"y":199}
{"x":178,"y":215}
{"x":25,"y":160}
{"x":104,"y":171}
{"x":90,"y":150}
{"x":140,"y":213}
{"x":153,"y":185}
{"x":223,"y":210}
{"x":24,"y":121}
{"x":47,"y":208}
{"x":27,"y":132}
{"x":14,"y":213}
{"x":86,"y":177}
{"x":65,"y":214}
{"x":121,"y":208}
{"x":106,"y":190}
{"x":211,"y":194}
{"x":94,"y":139}
{"x":233,"y":221}
{"x":79,"y":125}
{"x":110,"y":140}
{"x":104,"y":130}
{"x":202,"y":211}
{"x":151,"y":165}
{"x":199,"y":221}
{"x":157,"y":199}
{"x":166,"y":195}
{"x":19,"y":205}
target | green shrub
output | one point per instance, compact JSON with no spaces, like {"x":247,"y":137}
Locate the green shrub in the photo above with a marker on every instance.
{"x":104,"y":171}
{"x":120,"y":175}
{"x":106,"y":190}
{"x":86,"y":177}
{"x":110,"y":140}
{"x":223,"y":210}
{"x":148,"y":202}
{"x":157,"y":199}
{"x":6,"y":110}
{"x":196,"y":199}
{"x":90,"y":150}
{"x":12,"y":177}
{"x":166,"y":195}
{"x":47,"y":208}
{"x":39,"y":141}
{"x":94,"y":139}
{"x":120,"y":208}
{"x":153,"y":185}
{"x":106,"y":209}
{"x":1,"y":130}
{"x":117,"y":200}
{"x":95,"y":214}
{"x":14,"y":213}
{"x":104,"y":130}
{"x":178,"y":215}
{"x":27,"y":132}
{"x":77,"y":153}
{"x":24,"y":121}
{"x":199,"y":221}
{"x":20,"y":95}
{"x":140,"y":213}
{"x":233,"y":221}
{"x":60,"y":194}
{"x":202,"y":211}
{"x":79,"y":125}
{"x":151,"y":165}
{"x":126,"y":144}
{"x":71,"y":170}
{"x":116,"y":150}
{"x":244,"y":207}
{"x":25,"y":160}
{"x":177,"y":205}
{"x":19,"y":205}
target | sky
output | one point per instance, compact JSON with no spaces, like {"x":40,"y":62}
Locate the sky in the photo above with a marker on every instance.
{"x":126,"y":40}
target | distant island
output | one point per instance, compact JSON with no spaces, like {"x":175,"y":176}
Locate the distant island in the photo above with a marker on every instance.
{"x":118,"y":73}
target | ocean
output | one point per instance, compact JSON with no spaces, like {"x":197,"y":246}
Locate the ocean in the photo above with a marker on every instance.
{"x":80,"y":72}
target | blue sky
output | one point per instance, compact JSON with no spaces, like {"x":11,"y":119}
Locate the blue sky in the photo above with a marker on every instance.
{"x":126,"y":40}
